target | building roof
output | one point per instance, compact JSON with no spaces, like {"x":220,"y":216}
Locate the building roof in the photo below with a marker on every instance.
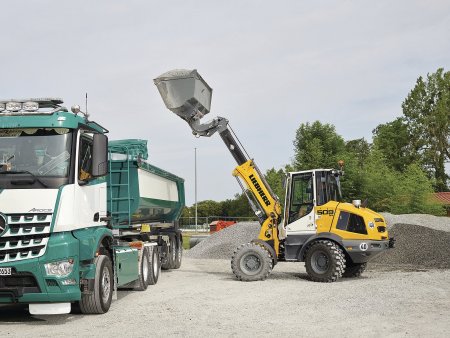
{"x":443,"y":197}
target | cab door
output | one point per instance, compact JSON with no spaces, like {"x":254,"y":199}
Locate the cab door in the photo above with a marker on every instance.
{"x":299,"y":214}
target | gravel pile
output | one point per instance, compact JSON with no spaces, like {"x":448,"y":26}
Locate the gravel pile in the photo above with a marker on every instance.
{"x":429,"y":221}
{"x":422,"y":241}
{"x":222,"y":244}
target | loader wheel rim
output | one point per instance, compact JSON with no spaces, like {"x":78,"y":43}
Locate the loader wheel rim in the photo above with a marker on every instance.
{"x":105,"y":285}
{"x":251,"y":263}
{"x":319,"y":262}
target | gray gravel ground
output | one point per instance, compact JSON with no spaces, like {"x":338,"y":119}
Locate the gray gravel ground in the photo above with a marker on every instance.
{"x":203,"y":299}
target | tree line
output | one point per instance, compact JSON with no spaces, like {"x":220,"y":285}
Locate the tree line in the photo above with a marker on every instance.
{"x":397,"y":172}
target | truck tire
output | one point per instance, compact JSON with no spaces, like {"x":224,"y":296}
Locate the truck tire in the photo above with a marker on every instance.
{"x":325,"y":261}
{"x":178,"y":253}
{"x":251,"y":262}
{"x":169,"y":250}
{"x":144,"y":271}
{"x":354,"y":269}
{"x":100,"y":299}
{"x":154,"y":266}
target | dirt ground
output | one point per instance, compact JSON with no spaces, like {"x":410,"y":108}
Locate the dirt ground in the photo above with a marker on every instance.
{"x":203,"y":299}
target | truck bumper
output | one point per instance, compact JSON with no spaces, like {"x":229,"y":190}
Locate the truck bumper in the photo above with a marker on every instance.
{"x":362,"y":251}
{"x":29,"y":282}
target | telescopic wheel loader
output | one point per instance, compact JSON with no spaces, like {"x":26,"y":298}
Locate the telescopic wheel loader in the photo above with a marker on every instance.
{"x":333,"y":238}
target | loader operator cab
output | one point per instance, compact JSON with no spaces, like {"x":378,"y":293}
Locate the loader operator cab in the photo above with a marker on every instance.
{"x":309,"y":189}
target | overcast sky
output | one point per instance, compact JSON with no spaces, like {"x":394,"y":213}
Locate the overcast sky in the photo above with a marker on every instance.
{"x":272,"y":64}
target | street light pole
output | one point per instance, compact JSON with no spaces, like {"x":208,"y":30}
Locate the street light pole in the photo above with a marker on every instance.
{"x":195,"y":168}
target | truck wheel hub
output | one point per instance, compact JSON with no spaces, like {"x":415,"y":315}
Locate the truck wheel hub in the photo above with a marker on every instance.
{"x":106,"y":285}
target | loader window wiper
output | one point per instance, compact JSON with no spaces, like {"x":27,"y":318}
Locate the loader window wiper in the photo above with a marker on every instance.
{"x":14,"y":172}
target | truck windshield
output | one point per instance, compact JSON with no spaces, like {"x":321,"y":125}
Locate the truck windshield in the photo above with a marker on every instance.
{"x":42,"y":152}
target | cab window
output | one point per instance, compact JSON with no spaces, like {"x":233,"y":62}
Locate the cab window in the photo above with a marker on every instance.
{"x":351,"y":223}
{"x":85,"y":159}
{"x":301,"y":196}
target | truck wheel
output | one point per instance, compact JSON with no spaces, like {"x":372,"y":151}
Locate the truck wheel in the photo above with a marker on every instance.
{"x":100,"y":299}
{"x":325,"y":261}
{"x":354,"y":269}
{"x":251,"y":262}
{"x":170,"y":254}
{"x":144,"y":272}
{"x":178,"y":253}
{"x":154,"y":266}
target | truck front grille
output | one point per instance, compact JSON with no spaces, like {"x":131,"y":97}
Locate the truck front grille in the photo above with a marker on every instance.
{"x":26,"y":236}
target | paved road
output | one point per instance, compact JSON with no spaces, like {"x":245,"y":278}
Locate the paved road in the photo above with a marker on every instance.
{"x":203,"y":299}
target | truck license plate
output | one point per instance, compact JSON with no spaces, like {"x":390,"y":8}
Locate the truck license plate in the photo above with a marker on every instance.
{"x":5,"y":271}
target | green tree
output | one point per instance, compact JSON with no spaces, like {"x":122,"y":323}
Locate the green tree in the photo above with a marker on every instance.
{"x":317,"y":145}
{"x":237,"y":207}
{"x":393,"y":140}
{"x":360,"y":148}
{"x":275,"y":180}
{"x":378,"y":181}
{"x":413,"y":193}
{"x":427,"y":116}
{"x":208,"y":208}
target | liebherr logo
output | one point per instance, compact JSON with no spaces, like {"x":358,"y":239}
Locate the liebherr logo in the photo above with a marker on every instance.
{"x":259,"y":190}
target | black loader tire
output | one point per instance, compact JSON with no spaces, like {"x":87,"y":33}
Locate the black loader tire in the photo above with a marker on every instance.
{"x":325,"y":261}
{"x":178,"y":252}
{"x":144,"y":271}
{"x":251,"y":262}
{"x":99,"y":301}
{"x":154,"y":265}
{"x":354,"y":269}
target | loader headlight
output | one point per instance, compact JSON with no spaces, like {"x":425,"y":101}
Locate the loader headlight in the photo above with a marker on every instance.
{"x":60,"y":268}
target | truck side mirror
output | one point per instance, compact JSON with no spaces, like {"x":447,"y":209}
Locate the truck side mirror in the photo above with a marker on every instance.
{"x":100,"y":155}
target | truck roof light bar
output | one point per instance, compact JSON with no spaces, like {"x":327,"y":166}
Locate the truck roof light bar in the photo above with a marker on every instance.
{"x":31,"y":105}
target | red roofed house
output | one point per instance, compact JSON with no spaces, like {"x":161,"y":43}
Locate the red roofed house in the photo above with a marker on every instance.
{"x":444,"y":198}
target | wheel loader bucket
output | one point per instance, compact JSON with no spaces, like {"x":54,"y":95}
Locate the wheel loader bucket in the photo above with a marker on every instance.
{"x":185,"y":93}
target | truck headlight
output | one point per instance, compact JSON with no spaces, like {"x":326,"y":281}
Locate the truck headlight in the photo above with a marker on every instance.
{"x":59,"y":269}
